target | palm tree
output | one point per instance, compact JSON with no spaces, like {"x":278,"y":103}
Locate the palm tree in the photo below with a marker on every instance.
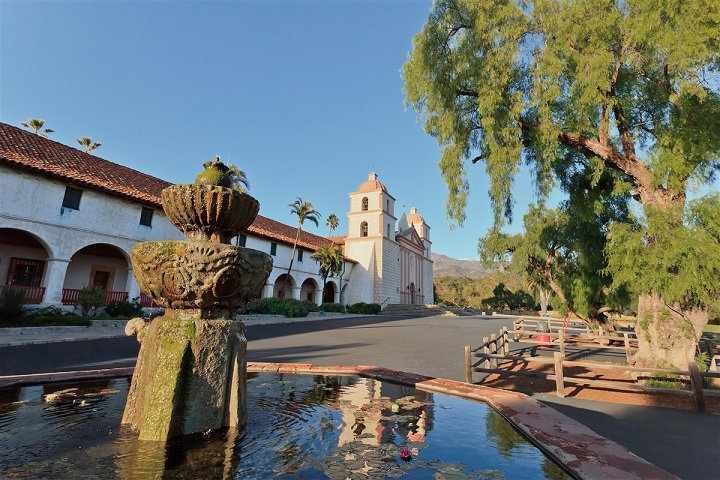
{"x":237,"y":178}
{"x":36,"y":124}
{"x":88,"y":144}
{"x":331,"y":260}
{"x":304,"y":211}
{"x":332,"y":222}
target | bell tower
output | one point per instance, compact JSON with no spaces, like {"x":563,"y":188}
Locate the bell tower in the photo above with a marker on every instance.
{"x":371,"y":230}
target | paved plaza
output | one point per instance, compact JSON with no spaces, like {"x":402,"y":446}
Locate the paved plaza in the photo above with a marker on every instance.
{"x":681,"y":442}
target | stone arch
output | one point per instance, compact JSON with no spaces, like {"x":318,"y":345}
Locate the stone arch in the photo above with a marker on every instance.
{"x":364,"y":229}
{"x":329,"y":293}
{"x":364,"y":204}
{"x":99,"y":264}
{"x":286,"y":292}
{"x":23,"y":262}
{"x":309,"y":289}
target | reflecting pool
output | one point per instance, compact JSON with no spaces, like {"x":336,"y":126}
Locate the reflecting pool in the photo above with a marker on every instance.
{"x":299,"y":426}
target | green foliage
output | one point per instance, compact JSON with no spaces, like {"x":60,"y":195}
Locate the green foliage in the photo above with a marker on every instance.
{"x":332,"y":222}
{"x":333,"y":307}
{"x":288,"y":307}
{"x":681,"y":261}
{"x":505,"y":299}
{"x":470,"y":292}
{"x":90,"y":298}
{"x":364,"y":308}
{"x":615,"y":98}
{"x":543,"y":81}
{"x":304,"y":211}
{"x":87,"y":144}
{"x":36,"y":124}
{"x":330,"y":260}
{"x":311,"y":307}
{"x":562,"y":250}
{"x":11,"y":304}
{"x":45,"y":319}
{"x":125,"y":309}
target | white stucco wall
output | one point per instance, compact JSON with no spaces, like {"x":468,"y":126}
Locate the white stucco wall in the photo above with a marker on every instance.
{"x":101,"y":219}
{"x":362,"y":278}
{"x":308,"y":268}
{"x":390,"y":292}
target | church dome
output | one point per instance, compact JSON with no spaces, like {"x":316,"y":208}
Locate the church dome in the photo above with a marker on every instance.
{"x":413,"y":217}
{"x":372,"y":184}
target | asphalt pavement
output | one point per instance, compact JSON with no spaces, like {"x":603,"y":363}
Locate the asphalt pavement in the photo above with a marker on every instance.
{"x":681,"y":442}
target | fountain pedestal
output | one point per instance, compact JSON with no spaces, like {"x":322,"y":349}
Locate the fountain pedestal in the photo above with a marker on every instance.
{"x":191,"y":370}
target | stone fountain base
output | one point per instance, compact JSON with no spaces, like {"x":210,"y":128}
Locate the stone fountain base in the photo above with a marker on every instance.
{"x":190,"y":375}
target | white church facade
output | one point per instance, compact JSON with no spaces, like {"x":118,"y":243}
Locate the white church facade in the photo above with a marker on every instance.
{"x":394,"y":257}
{"x":69,"y":219}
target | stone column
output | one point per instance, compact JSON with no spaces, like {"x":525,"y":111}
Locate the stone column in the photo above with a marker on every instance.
{"x":268,"y":290}
{"x":318,"y":296}
{"x":296,"y":293}
{"x":336,"y":298}
{"x":131,"y":286}
{"x":54,"y":279}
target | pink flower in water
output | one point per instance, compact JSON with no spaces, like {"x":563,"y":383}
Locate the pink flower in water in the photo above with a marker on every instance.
{"x":405,"y":455}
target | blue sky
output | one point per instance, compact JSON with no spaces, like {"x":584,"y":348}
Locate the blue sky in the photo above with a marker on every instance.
{"x":304,"y":96}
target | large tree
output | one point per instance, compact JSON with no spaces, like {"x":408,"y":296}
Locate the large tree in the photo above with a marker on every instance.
{"x":627,"y":87}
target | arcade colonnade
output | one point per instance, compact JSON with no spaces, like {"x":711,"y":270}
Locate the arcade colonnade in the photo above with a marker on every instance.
{"x":52,"y":263}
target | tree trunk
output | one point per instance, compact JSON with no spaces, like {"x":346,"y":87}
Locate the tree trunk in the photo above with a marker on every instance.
{"x":544,"y":299}
{"x":292,"y":259}
{"x":667,"y":335}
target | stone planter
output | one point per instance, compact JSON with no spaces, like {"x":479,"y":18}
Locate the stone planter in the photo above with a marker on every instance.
{"x":209,"y":212}
{"x":178,"y":274}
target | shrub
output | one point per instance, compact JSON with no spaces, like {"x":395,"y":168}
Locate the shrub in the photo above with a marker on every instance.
{"x":310,"y":306}
{"x":288,"y":307}
{"x":364,"y":308}
{"x":90,"y":298}
{"x":11,"y":303}
{"x":125,"y":309}
{"x":333,"y":307}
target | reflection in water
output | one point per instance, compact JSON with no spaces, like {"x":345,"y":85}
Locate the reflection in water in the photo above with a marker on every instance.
{"x":299,"y":427}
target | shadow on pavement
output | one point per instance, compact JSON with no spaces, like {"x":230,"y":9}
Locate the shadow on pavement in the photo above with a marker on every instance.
{"x":302,"y":354}
{"x":680,"y":442}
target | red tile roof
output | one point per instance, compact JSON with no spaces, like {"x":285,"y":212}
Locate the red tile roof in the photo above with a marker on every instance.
{"x":29,"y":151}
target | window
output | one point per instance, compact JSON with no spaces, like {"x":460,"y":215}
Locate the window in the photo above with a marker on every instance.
{"x":364,"y":203}
{"x":241,"y":240}
{"x":273,"y":248}
{"x":25,"y":272}
{"x":146,"y":217}
{"x":388,"y":230}
{"x":364,"y":229}
{"x":387,"y":205}
{"x":71,"y":199}
{"x":300,"y":255}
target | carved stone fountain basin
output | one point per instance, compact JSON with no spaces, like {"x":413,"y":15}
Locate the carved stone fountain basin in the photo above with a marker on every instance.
{"x":178,"y":274}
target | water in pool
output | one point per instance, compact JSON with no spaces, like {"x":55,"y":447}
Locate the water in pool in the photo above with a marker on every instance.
{"x":299,"y":426}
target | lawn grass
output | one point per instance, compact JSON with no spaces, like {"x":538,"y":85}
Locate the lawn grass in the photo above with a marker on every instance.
{"x":712,"y":328}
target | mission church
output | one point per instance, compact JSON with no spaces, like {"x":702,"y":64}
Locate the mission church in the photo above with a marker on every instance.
{"x":68,"y":219}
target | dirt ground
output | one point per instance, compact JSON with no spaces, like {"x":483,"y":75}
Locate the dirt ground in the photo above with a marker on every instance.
{"x":525,"y":384}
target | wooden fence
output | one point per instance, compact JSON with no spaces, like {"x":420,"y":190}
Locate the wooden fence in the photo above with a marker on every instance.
{"x":495,"y":350}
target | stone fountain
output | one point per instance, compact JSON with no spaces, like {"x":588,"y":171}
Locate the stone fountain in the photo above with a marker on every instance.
{"x":191,"y":370}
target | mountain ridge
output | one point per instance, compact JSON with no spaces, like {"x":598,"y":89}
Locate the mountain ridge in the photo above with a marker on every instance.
{"x":448,"y":266}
